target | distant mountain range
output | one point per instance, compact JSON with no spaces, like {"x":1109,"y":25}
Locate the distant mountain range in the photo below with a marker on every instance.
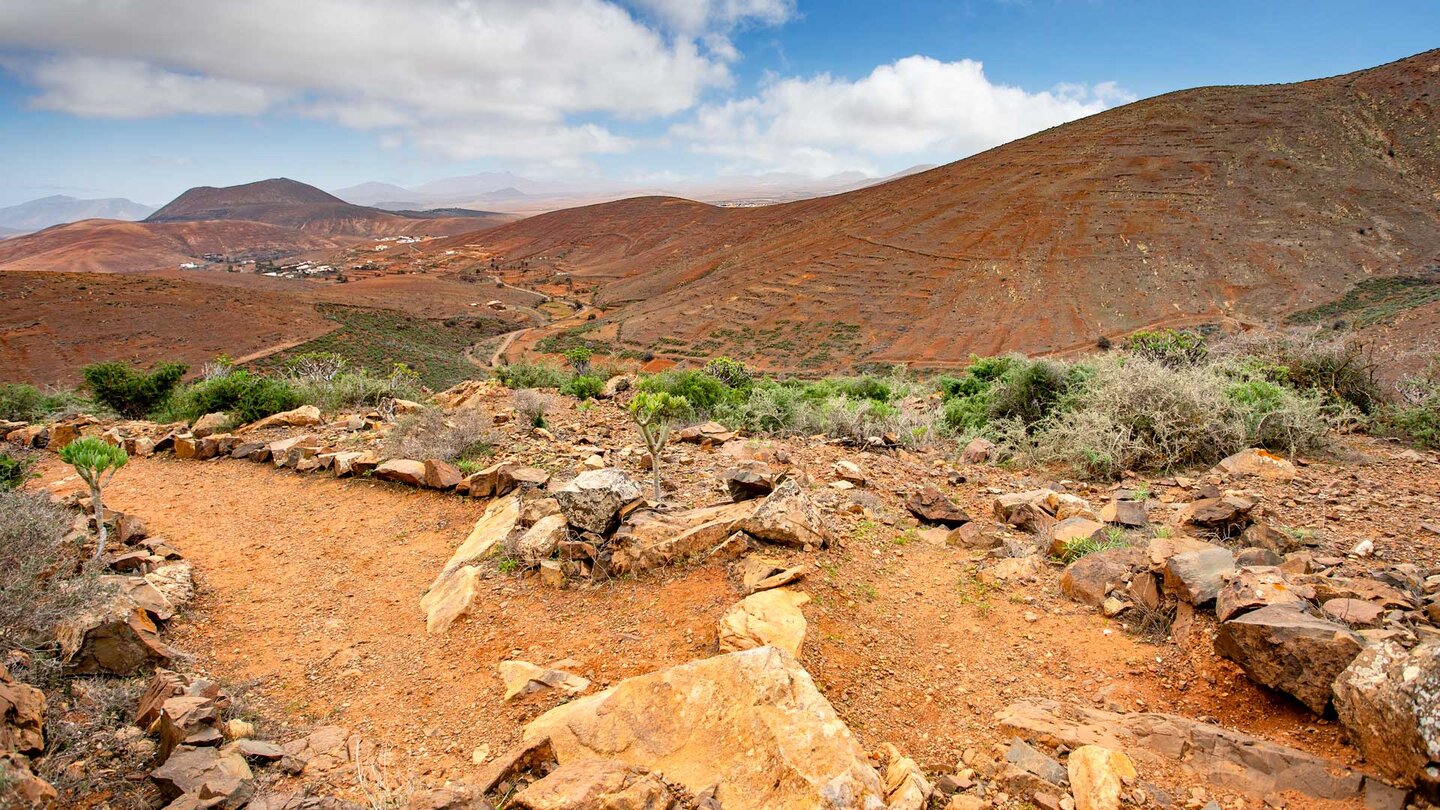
{"x":58,"y":209}
{"x":509,"y":192}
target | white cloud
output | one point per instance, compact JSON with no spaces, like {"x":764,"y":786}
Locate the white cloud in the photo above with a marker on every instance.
{"x":697,"y":16}
{"x":455,"y":66}
{"x":917,"y":108}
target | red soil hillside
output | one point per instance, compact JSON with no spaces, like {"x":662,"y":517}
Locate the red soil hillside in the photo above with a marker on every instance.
{"x":1203,"y":205}
{"x":112,"y":246}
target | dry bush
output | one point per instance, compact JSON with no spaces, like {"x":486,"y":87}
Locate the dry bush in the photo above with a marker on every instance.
{"x":532,"y":405}
{"x":1338,"y":366}
{"x":459,"y":435}
{"x":43,"y":576}
{"x":91,"y":715}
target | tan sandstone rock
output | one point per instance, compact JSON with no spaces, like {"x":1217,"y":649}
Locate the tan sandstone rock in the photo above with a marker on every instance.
{"x":769,"y":617}
{"x":1098,"y":776}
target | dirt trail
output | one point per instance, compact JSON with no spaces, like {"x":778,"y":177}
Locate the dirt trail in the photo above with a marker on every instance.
{"x":310,"y":586}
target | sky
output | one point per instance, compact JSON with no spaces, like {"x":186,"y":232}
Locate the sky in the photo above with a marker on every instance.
{"x":145,"y":98}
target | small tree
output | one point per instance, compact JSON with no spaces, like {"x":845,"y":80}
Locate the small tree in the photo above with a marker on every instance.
{"x":96,"y":463}
{"x":579,"y":359}
{"x":654,"y":413}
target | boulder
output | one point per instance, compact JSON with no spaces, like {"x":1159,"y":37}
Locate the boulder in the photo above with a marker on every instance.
{"x":186,"y":446}
{"x":540,"y":540}
{"x":1285,"y":648}
{"x":1389,"y":701}
{"x":748,"y":479}
{"x":761,"y":574}
{"x":302,"y":416}
{"x":1091,"y":578}
{"x":1258,"y":463}
{"x":1098,"y":777}
{"x":192,"y":720}
{"x":1028,"y":759}
{"x":1196,"y":576}
{"x":116,"y":638}
{"x":706,"y":432}
{"x":1226,"y":517}
{"x":749,"y":725}
{"x":1074,"y":530}
{"x":1124,"y":513}
{"x":849,"y":471}
{"x":977,"y":535}
{"x":455,"y":588}
{"x":768,"y":618}
{"x":22,"y":782}
{"x":596,"y":784}
{"x":224,"y":777}
{"x":145,"y":595}
{"x":209,"y":424}
{"x":1354,"y":612}
{"x":617,"y":385}
{"x":787,"y":516}
{"x":523,"y":677}
{"x":649,"y":539}
{"x":593,"y":500}
{"x":400,"y":470}
{"x":978,"y":451}
{"x":1265,"y":536}
{"x":22,"y":716}
{"x":932,"y":506}
{"x":1027,"y":511}
{"x":442,"y":475}
{"x":1246,"y":589}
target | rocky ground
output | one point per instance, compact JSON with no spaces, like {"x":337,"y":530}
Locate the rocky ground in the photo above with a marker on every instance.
{"x":947,"y":645}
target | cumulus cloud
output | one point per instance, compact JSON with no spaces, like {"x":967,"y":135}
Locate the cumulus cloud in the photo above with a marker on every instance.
{"x":916,"y":108}
{"x":450,"y":65}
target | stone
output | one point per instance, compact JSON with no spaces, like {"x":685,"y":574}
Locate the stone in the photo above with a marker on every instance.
{"x":540,"y":540}
{"x":1196,"y":576}
{"x":1124,"y":513}
{"x":192,"y":770}
{"x":551,"y":574}
{"x":324,"y":750}
{"x":441,"y":475}
{"x":1389,"y":701}
{"x":649,"y":539}
{"x":22,"y":782}
{"x":713,"y":432}
{"x":978,"y":451}
{"x":617,"y":385}
{"x":449,"y":598}
{"x":761,"y":574}
{"x":596,"y":784}
{"x":1091,"y":578}
{"x":1257,"y":558}
{"x":1228,"y":759}
{"x":303,"y":416}
{"x":1354,"y":612}
{"x":750,"y":725}
{"x":186,"y":446}
{"x":976,"y":535}
{"x":523,"y":678}
{"x":488,"y":534}
{"x":1028,"y":759}
{"x":1258,"y":463}
{"x":1015,"y":569}
{"x":258,"y":750}
{"x":1225,"y":517}
{"x":401,"y":471}
{"x":787,"y":516}
{"x":593,"y":500}
{"x":933,"y":506}
{"x":1246,"y":589}
{"x":22,"y":716}
{"x":116,"y":638}
{"x":1074,"y":530}
{"x":906,"y":787}
{"x":209,"y":424}
{"x":1028,"y":511}
{"x":1285,"y":648}
{"x":849,"y":472}
{"x":192,"y":720}
{"x":1098,"y":776}
{"x":768,"y":618}
{"x":747,"y":480}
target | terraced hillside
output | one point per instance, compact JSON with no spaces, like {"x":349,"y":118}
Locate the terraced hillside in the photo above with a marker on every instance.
{"x":1220,"y":204}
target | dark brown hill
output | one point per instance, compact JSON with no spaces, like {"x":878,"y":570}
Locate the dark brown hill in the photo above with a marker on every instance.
{"x":1206,"y":205}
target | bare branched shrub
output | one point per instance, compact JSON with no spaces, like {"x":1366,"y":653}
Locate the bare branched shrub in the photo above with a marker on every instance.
{"x":43,"y":576}
{"x":532,"y":405}
{"x":464,"y":434}
{"x":99,"y":718}
{"x":1338,"y":366}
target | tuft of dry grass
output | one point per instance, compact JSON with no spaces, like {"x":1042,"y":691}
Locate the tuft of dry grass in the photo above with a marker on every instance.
{"x":462,"y":435}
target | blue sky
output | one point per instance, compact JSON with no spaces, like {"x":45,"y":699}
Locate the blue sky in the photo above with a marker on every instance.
{"x":146,"y":98}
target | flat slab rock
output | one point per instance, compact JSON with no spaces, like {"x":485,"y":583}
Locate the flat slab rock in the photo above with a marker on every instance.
{"x":770,"y":617}
{"x":1389,"y":701}
{"x":1229,"y":759}
{"x":751,"y":725}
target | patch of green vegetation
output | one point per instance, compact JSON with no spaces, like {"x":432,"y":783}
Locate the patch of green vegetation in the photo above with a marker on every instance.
{"x":1374,"y":300}
{"x":377,"y":339}
{"x":1085,"y":546}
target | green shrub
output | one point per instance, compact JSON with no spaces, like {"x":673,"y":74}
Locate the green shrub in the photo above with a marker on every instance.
{"x":1415,"y":418}
{"x":530,"y":375}
{"x":130,"y":392}
{"x":96,"y":462}
{"x":1010,"y":389}
{"x":731,"y":372}
{"x":246,"y":397}
{"x":266,"y":396}
{"x":702,"y":393}
{"x":579,"y":359}
{"x":1169,"y":347}
{"x":1338,"y":367}
{"x":14,"y":472}
{"x":22,"y":403}
{"x":359,"y":388}
{"x":583,"y":386}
